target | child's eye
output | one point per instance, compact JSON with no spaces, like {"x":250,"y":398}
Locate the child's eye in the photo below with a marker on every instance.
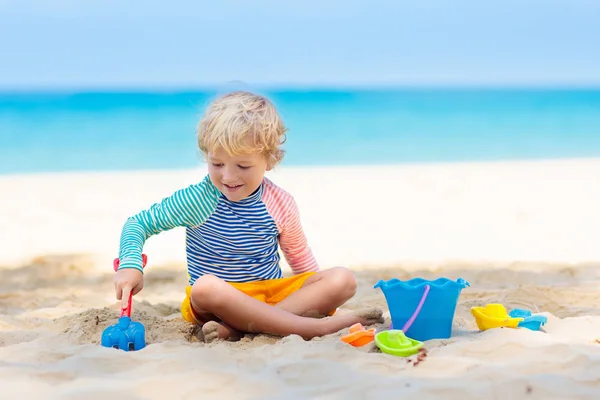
{"x":243,"y":167}
{"x":217,"y":165}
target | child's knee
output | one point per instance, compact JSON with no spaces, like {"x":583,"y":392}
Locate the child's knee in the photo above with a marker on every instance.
{"x":207,"y":292}
{"x":342,"y":281}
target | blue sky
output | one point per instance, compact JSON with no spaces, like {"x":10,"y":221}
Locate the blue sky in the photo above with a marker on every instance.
{"x":108,"y":43}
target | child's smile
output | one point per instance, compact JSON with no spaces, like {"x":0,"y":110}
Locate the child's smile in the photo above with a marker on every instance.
{"x":232,"y":188}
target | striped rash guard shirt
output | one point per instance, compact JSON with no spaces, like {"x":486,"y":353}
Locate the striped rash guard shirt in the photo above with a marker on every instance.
{"x":235,"y":241}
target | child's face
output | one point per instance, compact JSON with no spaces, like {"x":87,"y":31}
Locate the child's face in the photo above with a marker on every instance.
{"x":236,"y":177}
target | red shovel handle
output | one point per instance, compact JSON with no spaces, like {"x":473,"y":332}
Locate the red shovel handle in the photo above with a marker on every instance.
{"x":127,"y":310}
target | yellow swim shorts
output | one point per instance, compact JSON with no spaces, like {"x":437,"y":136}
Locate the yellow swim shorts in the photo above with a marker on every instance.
{"x":270,"y":291}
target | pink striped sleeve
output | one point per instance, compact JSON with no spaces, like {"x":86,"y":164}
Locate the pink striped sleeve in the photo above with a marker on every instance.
{"x":292,"y":240}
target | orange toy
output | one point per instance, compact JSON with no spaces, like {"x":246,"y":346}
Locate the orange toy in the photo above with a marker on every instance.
{"x":359,"y":336}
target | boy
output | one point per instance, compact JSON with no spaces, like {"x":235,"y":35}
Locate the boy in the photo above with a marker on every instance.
{"x":235,"y":221}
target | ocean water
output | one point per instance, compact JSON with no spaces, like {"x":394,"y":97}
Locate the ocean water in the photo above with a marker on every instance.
{"x":41,"y":132}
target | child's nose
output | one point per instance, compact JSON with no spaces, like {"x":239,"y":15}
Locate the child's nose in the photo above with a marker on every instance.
{"x":229,"y":175}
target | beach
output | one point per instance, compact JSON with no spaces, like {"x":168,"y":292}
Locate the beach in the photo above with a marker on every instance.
{"x":522,"y":233}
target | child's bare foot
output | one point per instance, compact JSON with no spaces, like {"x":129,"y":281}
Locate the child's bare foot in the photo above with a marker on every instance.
{"x":366,"y":317}
{"x":213,"y":330}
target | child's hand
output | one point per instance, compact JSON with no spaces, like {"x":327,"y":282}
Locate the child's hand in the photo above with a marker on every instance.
{"x":126,"y":281}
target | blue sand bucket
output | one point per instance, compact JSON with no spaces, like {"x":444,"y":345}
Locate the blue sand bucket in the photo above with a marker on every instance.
{"x":436,"y":301}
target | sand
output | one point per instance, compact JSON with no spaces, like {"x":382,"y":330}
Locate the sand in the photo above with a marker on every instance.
{"x":524,"y":234}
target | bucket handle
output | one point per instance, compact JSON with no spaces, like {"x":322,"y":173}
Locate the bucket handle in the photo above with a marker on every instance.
{"x":410,"y":321}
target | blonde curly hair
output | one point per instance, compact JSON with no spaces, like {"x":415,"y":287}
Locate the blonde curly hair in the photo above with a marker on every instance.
{"x":242,"y":123}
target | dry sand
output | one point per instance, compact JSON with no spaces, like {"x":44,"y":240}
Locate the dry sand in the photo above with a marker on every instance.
{"x":523,"y":234}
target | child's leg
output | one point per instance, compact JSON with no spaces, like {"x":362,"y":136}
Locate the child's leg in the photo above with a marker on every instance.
{"x":322,"y":293}
{"x":241,"y":312}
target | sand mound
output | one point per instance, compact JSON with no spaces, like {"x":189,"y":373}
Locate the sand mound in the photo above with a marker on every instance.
{"x":87,"y":327}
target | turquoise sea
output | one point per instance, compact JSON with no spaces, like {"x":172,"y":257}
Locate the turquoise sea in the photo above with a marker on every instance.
{"x":71,"y":131}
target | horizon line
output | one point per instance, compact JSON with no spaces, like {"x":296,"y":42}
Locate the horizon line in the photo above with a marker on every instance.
{"x":292,"y":87}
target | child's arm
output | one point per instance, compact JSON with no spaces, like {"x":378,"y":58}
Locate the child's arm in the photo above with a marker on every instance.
{"x":293,"y":242}
{"x":186,"y":207}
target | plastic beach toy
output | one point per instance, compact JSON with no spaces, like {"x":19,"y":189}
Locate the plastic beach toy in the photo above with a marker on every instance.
{"x":495,"y":316}
{"x":533,"y":322}
{"x":396,"y":343}
{"x":125,"y":334}
{"x":435,"y":318}
{"x":359,"y":336}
